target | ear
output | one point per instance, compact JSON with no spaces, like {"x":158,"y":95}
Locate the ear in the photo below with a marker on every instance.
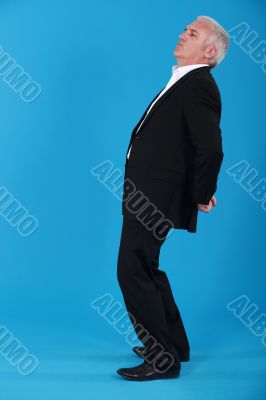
{"x":210,"y":52}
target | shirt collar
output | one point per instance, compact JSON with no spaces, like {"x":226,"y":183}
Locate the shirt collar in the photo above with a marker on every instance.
{"x":186,"y":68}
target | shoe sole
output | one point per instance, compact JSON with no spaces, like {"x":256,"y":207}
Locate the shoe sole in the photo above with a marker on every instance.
{"x":170,"y":375}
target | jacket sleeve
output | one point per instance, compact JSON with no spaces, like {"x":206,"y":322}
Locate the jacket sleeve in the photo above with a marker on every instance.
{"x":202,"y":111}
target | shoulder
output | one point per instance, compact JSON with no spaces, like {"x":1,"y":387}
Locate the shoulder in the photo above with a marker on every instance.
{"x":203,"y":85}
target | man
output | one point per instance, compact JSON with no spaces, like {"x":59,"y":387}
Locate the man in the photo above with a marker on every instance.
{"x":171,"y":171}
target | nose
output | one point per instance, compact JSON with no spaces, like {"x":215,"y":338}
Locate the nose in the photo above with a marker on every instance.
{"x":181,"y":36}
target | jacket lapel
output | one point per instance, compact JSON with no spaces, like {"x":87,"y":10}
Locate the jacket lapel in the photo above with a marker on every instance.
{"x":141,"y":119}
{"x":166,"y":94}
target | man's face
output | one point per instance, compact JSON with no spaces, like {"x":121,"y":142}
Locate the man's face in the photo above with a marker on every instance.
{"x":190,"y":48}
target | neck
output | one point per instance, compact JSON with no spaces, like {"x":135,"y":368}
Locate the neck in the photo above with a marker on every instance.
{"x":184,"y":63}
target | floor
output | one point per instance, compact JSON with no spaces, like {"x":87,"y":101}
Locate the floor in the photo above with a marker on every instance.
{"x":83,"y":368}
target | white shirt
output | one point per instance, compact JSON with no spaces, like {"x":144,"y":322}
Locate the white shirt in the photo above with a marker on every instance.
{"x":177,"y":73}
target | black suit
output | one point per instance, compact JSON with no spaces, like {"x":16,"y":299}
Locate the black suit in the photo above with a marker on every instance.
{"x":177,"y":153}
{"x":173,"y":165}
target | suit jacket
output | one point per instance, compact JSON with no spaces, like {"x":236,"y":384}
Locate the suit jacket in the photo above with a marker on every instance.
{"x":176,"y":155}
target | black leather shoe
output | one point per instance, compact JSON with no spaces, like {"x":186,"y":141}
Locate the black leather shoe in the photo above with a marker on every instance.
{"x":139,"y":351}
{"x":146,"y":372}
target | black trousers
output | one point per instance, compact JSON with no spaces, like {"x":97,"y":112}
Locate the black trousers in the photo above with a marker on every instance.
{"x":146,"y":290}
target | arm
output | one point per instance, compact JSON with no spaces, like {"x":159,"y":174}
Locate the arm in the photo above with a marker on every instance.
{"x":202,"y":110}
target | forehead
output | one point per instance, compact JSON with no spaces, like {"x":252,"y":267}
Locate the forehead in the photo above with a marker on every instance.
{"x":200,"y":26}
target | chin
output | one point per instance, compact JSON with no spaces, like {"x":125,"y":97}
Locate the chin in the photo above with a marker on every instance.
{"x":177,"y":49}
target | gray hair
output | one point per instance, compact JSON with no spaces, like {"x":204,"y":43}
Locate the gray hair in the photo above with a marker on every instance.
{"x":218,"y":39}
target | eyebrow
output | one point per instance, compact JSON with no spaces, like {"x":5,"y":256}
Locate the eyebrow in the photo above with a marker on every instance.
{"x":192,"y":30}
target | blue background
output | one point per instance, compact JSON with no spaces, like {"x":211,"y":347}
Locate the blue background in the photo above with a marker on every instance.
{"x":99,"y":64}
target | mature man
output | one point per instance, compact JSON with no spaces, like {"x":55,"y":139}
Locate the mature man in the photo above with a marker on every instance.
{"x":171,"y":171}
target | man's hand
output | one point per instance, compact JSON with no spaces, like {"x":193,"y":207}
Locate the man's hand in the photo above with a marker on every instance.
{"x":207,"y":208}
